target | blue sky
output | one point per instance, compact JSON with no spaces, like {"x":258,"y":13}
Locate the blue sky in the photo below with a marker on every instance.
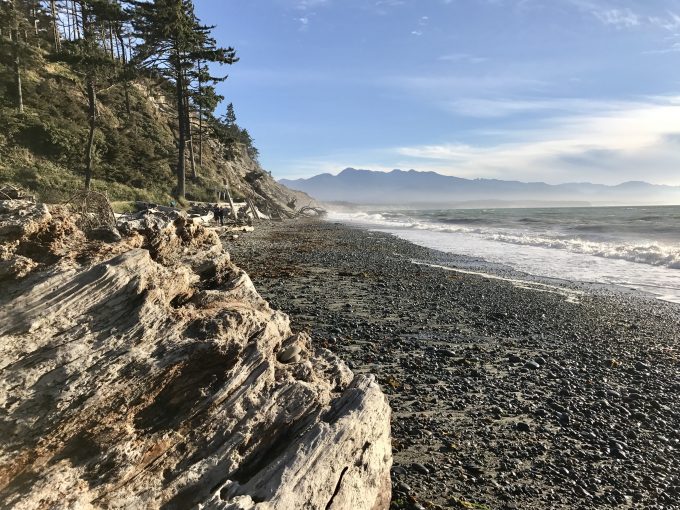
{"x":535,"y":90}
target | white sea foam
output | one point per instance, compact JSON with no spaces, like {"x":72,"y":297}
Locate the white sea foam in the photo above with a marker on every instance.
{"x":655,"y":254}
{"x":571,"y":296}
{"x":548,"y":245}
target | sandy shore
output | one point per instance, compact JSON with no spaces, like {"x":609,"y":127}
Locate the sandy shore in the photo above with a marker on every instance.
{"x":505,"y":394}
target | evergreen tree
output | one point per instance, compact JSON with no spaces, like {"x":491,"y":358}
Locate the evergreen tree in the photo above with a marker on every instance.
{"x":89,"y":56}
{"x":230,"y":116}
{"x":206,"y":99}
{"x":248,"y":142}
{"x":18,"y":32}
{"x":232,"y":137}
{"x":173,"y":41}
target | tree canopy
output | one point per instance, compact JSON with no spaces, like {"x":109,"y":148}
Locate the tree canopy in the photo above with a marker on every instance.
{"x":110,"y":43}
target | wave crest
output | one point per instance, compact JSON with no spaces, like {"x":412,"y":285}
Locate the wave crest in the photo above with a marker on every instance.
{"x":655,"y":254}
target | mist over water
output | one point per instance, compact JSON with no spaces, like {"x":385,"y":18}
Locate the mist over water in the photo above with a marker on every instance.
{"x":635,"y":247}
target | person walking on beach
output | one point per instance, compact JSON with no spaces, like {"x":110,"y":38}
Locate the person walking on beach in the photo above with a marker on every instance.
{"x":219,"y":214}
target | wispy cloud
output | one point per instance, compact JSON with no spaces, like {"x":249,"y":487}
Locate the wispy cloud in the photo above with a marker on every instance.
{"x":496,"y":108}
{"x":463,"y":57}
{"x":612,"y":143}
{"x":305,"y":5}
{"x":441,"y":88}
{"x":619,"y":18}
{"x":304,"y":22}
{"x":670,"y":21}
{"x":639,"y":14}
{"x":673,"y":48}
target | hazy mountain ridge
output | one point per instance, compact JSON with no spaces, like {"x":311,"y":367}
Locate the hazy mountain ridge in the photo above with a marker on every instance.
{"x":414,"y":187}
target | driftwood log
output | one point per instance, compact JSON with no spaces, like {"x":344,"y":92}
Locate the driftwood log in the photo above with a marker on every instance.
{"x":149,"y":373}
{"x":309,"y":211}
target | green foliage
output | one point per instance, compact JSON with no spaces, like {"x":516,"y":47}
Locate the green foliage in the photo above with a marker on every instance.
{"x":175,"y":45}
{"x":122,"y":207}
{"x":135,"y":151}
{"x":53,"y":183}
{"x":231,"y":136}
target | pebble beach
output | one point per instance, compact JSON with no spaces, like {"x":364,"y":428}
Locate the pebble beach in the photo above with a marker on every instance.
{"x":507,"y":391}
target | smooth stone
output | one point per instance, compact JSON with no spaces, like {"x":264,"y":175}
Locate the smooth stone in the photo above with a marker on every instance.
{"x":523,"y":426}
{"x":420,"y":468}
{"x":641,"y":367}
{"x":532,"y":365}
{"x":404,"y":488}
{"x":287,"y":355}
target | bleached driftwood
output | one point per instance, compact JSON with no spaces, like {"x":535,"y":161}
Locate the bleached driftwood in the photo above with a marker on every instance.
{"x":149,"y":373}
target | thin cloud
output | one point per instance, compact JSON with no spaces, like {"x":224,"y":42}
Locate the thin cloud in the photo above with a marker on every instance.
{"x":497,"y":108}
{"x":619,"y":18}
{"x":615,"y":143}
{"x":463,"y":57}
{"x":304,"y":23}
{"x":304,"y":5}
{"x":669,"y":22}
{"x":674,"y":48}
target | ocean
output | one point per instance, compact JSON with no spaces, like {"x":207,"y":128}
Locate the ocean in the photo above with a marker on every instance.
{"x":633,"y":247}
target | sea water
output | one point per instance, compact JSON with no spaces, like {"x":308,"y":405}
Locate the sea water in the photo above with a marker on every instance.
{"x":633,"y":247}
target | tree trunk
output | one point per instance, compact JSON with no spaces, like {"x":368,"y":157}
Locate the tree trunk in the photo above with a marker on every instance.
{"x":231,"y":204}
{"x":17,"y":72}
{"x":181,"y":166}
{"x":190,"y":138}
{"x":253,"y":209}
{"x":77,"y":22}
{"x":200,"y":136}
{"x":92,"y":117}
{"x":200,"y":118}
{"x":55,"y":30}
{"x":17,"y":76}
{"x":126,"y":85}
{"x":110,"y":36}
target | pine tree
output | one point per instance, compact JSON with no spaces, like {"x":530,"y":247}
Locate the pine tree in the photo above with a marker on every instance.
{"x":17,"y":29}
{"x":89,"y":56}
{"x":206,"y":99}
{"x":173,"y":42}
{"x":56,"y":36}
{"x":230,"y":116}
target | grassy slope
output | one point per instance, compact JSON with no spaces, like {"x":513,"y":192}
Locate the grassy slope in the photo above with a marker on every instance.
{"x":135,"y":155}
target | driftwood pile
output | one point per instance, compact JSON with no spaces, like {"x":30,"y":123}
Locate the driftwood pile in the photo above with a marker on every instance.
{"x":147,"y":372}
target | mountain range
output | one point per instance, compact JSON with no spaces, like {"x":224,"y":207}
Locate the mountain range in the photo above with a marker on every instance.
{"x":398,"y":187}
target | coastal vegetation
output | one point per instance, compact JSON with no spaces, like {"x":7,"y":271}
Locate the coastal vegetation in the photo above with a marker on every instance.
{"x":116,"y":96}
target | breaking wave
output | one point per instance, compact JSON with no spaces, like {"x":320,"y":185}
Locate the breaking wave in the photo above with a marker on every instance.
{"x":650,"y":253}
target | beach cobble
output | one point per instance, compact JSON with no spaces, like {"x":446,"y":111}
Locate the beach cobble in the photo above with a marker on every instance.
{"x":507,"y":391}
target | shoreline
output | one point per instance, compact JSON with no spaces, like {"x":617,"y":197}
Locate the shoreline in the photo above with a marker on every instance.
{"x":503,"y":396}
{"x":498,"y":270}
{"x":647,"y":265}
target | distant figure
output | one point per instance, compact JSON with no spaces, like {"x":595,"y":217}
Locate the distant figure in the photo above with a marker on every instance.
{"x":219,"y":214}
